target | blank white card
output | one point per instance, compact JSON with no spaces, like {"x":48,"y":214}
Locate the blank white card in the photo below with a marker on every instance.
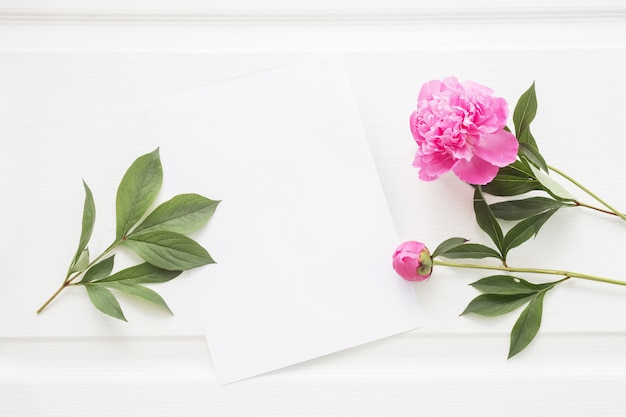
{"x":303,"y":237}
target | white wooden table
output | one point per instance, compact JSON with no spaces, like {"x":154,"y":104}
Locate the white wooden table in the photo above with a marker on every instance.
{"x":73,"y":80}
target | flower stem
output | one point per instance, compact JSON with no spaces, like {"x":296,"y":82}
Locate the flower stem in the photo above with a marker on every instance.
{"x":532,"y":271}
{"x":590,"y":193}
{"x":68,"y":279}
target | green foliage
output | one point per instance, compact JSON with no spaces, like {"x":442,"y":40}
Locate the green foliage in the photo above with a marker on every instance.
{"x":471,"y":251}
{"x":448,"y":245}
{"x":524,"y":230}
{"x":524,"y":208}
{"x":168,"y":250}
{"x":137,"y":191}
{"x":160,"y":239}
{"x":503,"y":294}
{"x":487,"y":221}
{"x":525,"y":111}
{"x":81,"y":258}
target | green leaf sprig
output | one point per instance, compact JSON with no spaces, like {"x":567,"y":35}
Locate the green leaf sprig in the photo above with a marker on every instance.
{"x":504,"y":294}
{"x":159,"y":239}
{"x":530,"y":172}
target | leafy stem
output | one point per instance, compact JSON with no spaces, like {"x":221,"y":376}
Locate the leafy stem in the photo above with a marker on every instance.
{"x":557,"y":272}
{"x":70,"y":278}
{"x":612,"y":209}
{"x":158,"y":237}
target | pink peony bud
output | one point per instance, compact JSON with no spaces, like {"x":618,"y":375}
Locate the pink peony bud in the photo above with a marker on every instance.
{"x":412,"y":261}
{"x":459,"y":126}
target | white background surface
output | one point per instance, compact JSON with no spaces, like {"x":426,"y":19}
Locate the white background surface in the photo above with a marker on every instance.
{"x":73,"y":80}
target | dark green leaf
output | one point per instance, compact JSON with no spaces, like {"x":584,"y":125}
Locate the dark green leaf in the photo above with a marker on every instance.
{"x":89,"y":219}
{"x":508,"y":285}
{"x":486,"y":220}
{"x":471,"y":251}
{"x":141,"y":274}
{"x":522,"y":209}
{"x":525,"y":111}
{"x":491,"y":305}
{"x":104,"y":300}
{"x":169,"y":250}
{"x":138,"y":291}
{"x":184,"y":213}
{"x":525,"y":229}
{"x":99,"y":271}
{"x":527,"y":325}
{"x":514,"y":179}
{"x":532,"y":154}
{"x":448,"y":245}
{"x":137,"y":191}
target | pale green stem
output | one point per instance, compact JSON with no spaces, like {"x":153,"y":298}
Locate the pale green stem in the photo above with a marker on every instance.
{"x":68,"y":280}
{"x":590,"y":193}
{"x":531,"y":271}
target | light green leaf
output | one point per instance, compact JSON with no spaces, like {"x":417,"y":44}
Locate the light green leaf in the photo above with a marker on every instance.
{"x":89,"y":219}
{"x":525,"y":111}
{"x":524,"y":230}
{"x":471,"y":251}
{"x":138,"y":291}
{"x":524,"y":208}
{"x":141,"y":274}
{"x":137,"y":191}
{"x":185,"y":213}
{"x":508,"y":285}
{"x":169,"y":250}
{"x":448,"y":245}
{"x":486,"y":220}
{"x":104,"y":300}
{"x":492,"y":305}
{"x":99,"y":271}
{"x":555,"y":189}
{"x":527,"y":325}
{"x":80,"y":264}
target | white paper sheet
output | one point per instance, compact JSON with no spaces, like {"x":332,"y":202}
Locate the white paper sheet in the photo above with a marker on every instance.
{"x":303,"y":237}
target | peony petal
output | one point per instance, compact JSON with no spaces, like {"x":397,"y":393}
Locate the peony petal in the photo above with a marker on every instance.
{"x":476,"y":171}
{"x":498,"y":148}
{"x":432,"y":166}
{"x":429,"y":89}
{"x":475,"y":88}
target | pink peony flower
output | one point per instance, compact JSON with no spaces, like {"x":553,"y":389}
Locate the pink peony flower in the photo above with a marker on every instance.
{"x":460,"y":127}
{"x":412,"y":261}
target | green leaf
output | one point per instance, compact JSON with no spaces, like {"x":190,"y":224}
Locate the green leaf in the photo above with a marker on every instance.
{"x":514,"y":179}
{"x":508,"y":285}
{"x":185,"y":213}
{"x":525,"y":111}
{"x":169,"y":250}
{"x":527,"y":325}
{"x":139,"y":291}
{"x":99,"y":271}
{"x":80,"y":264}
{"x":137,"y":191}
{"x":525,"y":229}
{"x":141,"y":274}
{"x":486,"y":220}
{"x":553,"y":188}
{"x":448,"y":245}
{"x":532,"y":155}
{"x":104,"y":300}
{"x":89,"y":219}
{"x":524,"y":208}
{"x":471,"y":251}
{"x":492,"y":305}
